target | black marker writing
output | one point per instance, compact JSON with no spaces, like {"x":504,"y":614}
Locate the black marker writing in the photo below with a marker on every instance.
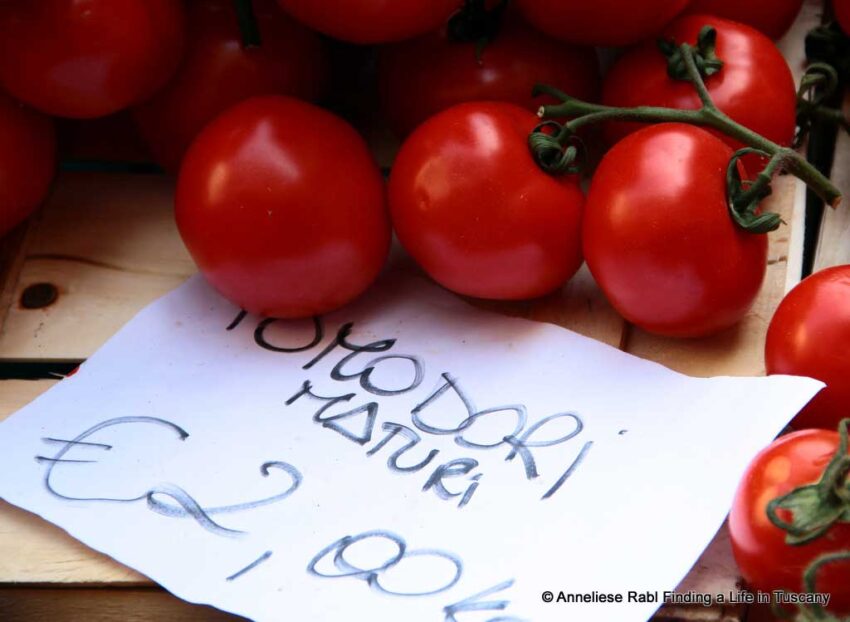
{"x":184,"y":504}
{"x":523,"y":444}
{"x":237,"y":320}
{"x":250,"y":566}
{"x":374,"y":575}
{"x":293,"y":473}
{"x":566,"y":475}
{"x":476,"y":603}
{"x":454,"y":468}
{"x":413,"y":439}
{"x":260,"y":336}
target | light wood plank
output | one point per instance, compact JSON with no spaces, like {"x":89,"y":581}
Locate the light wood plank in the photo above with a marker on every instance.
{"x":834,"y":239}
{"x":99,"y":605}
{"x":109,"y":245}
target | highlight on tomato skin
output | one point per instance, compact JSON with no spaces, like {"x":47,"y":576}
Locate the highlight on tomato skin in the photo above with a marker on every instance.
{"x":755,"y":86}
{"x":809,"y":335}
{"x":420,"y":77}
{"x":283,"y":208}
{"x":606,"y":23}
{"x":474,"y":210}
{"x":371,"y":21}
{"x":658,"y":237}
{"x":766,"y":562}
{"x":27,"y":161}
{"x":772,"y":17}
{"x":88,"y":59}
{"x":218,"y":70}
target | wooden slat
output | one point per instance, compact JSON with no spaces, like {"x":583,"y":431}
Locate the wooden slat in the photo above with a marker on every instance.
{"x":109,"y":245}
{"x":834,"y":239}
{"x":99,"y":605}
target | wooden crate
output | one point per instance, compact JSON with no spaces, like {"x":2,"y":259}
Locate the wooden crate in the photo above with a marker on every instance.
{"x":108,"y":246}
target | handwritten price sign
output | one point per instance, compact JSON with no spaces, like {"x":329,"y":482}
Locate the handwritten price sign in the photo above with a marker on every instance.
{"x":406,"y":458}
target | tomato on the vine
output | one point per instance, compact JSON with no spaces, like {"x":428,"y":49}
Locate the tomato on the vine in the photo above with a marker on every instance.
{"x":772,"y":17}
{"x":88,"y":59}
{"x":421,"y":77}
{"x":766,"y":561}
{"x":809,"y":335}
{"x":659,"y":239}
{"x":754,"y":87}
{"x":371,"y":21}
{"x":473,"y":208}
{"x":219,"y":71}
{"x":27,"y":161}
{"x":282,"y":207}
{"x":601,"y":22}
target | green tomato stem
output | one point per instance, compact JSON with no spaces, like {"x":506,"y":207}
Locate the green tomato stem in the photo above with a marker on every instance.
{"x":585,"y":113}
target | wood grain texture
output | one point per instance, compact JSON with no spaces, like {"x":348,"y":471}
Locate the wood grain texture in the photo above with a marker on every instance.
{"x":834,"y":239}
{"x":109,"y":244}
{"x":99,"y":605}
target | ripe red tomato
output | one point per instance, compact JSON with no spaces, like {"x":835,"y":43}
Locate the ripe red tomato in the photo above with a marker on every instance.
{"x":27,"y":161}
{"x":602,"y":22}
{"x":88,"y":59}
{"x":371,"y":21}
{"x":471,"y":206}
{"x":772,"y":17}
{"x":842,"y":14}
{"x":282,"y":207}
{"x":659,"y":239}
{"x":766,"y":561}
{"x":810,"y":336}
{"x":218,"y":71}
{"x":421,"y":77}
{"x":755,"y":86}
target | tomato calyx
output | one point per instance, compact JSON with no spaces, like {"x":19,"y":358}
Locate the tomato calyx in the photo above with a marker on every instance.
{"x":744,"y":196}
{"x":476,"y":23}
{"x":704,"y":56}
{"x":247,"y":23}
{"x":820,"y":84}
{"x":815,"y":508}
{"x":559,"y":151}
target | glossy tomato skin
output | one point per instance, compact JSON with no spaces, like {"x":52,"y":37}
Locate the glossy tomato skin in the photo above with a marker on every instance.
{"x":283,"y":209}
{"x":766,"y":562}
{"x":423,"y":76}
{"x":470,"y":205}
{"x":658,"y":237}
{"x":27,"y":161}
{"x":772,"y":17}
{"x":755,"y":86}
{"x":218,"y":71}
{"x":809,"y":335}
{"x":601,"y":22}
{"x":87,"y":59}
{"x":372,"y":21}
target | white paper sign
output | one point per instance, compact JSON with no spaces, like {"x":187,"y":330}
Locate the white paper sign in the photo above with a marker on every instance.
{"x":408,"y":458}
